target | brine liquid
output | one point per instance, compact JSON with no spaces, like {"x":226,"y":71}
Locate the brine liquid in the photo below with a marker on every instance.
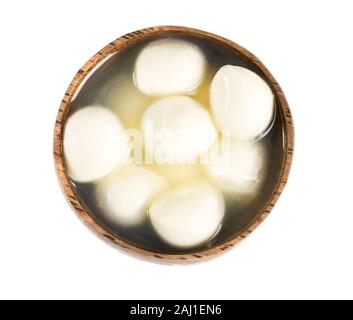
{"x":111,"y":85}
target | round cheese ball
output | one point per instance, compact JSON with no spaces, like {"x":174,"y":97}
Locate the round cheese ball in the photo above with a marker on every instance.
{"x":94,"y":143}
{"x":236,"y":166}
{"x":242,"y":103}
{"x":169,"y":66}
{"x":124,"y":196}
{"x":188,"y":216}
{"x":176,"y":130}
{"x":125,"y":99}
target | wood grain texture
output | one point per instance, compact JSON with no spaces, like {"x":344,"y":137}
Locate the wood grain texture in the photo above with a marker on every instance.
{"x":75,"y":201}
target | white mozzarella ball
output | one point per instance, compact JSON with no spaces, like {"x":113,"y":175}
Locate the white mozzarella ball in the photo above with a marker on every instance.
{"x":188,"y":216}
{"x":94,"y":143}
{"x":242,"y":103}
{"x":236,"y":166}
{"x":176,"y":130}
{"x":125,"y":195}
{"x":169,"y":66}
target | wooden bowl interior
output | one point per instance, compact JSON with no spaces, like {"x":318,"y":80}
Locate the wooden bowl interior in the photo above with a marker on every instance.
{"x":144,"y":241}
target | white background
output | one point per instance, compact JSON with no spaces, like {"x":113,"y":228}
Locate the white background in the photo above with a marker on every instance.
{"x":303,"y":250}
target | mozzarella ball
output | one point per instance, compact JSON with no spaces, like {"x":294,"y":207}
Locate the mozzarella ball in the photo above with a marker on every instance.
{"x":169,"y":66}
{"x":242,"y":103}
{"x":188,"y":216}
{"x":236,"y":166}
{"x":128,"y":103}
{"x":176,"y":130}
{"x":125,"y":195}
{"x":94,"y":143}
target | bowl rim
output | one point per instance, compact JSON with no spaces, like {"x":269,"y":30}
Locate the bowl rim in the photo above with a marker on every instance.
{"x":78,"y":206}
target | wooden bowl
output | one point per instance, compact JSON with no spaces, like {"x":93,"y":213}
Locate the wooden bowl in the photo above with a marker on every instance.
{"x":282,"y":111}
